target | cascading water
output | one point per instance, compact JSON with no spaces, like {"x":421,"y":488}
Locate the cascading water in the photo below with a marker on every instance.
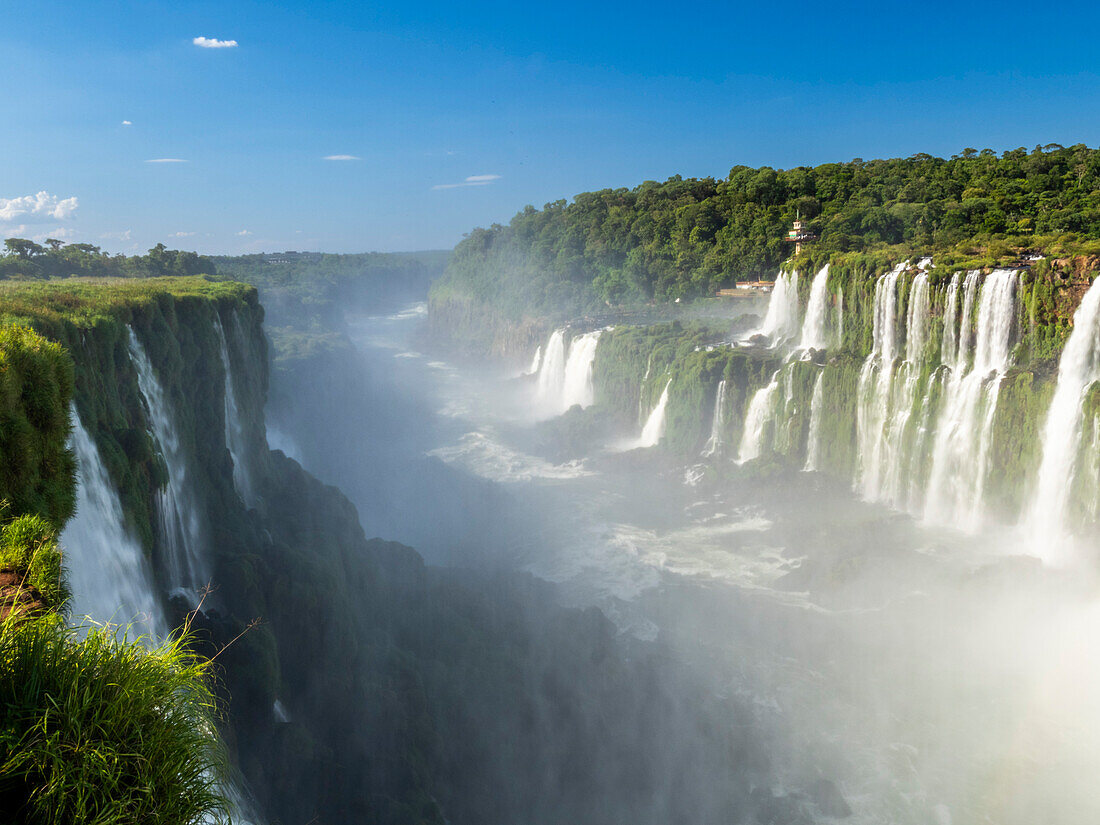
{"x":759,"y":415}
{"x":564,"y":382}
{"x":965,"y":423}
{"x":235,"y":440}
{"x":107,"y":570}
{"x":184,"y":564}
{"x":1078,"y":369}
{"x":781,"y":321}
{"x":535,"y":362}
{"x":552,"y":373}
{"x":815,"y":326}
{"x":714,"y":443}
{"x":655,"y":425}
{"x":813,"y":442}
{"x":875,"y":388}
{"x":577,"y":383}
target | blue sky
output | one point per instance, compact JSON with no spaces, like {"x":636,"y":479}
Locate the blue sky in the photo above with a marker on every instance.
{"x":457,"y":115}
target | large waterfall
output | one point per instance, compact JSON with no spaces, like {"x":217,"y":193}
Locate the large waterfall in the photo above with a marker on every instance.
{"x":181,"y":531}
{"x":235,"y":440}
{"x":781,"y":321}
{"x":815,"y":326}
{"x":1063,"y":431}
{"x":965,"y":425}
{"x":565,"y":380}
{"x":107,"y":570}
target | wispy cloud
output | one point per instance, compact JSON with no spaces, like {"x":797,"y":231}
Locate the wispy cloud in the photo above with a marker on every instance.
{"x":127,"y":123}
{"x":181,"y":234}
{"x":214,"y":43}
{"x":166,"y":160}
{"x":472,"y":180}
{"x":243,"y":232}
{"x":123,"y":235}
{"x":341,"y":157}
{"x":37,"y":207}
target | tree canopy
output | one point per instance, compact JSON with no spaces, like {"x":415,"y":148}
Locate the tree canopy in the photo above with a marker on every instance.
{"x":690,"y":236}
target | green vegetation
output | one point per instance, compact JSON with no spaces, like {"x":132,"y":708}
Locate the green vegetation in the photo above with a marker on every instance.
{"x":30,"y":554}
{"x":24,"y":259}
{"x":687,"y":238}
{"x":36,"y":383}
{"x":101,"y":730}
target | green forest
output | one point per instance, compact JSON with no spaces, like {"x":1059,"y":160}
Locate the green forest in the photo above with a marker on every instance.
{"x":686,"y":238}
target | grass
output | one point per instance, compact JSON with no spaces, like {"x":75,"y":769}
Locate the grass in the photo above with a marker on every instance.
{"x":99,"y":729}
{"x":85,"y":302}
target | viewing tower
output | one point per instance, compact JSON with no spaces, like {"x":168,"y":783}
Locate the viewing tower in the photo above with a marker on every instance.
{"x":800,"y":235}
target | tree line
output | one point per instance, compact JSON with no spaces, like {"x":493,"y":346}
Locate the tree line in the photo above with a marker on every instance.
{"x":688,"y":237}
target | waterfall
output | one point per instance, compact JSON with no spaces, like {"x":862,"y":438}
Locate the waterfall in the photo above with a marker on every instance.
{"x":577,"y":381}
{"x":840,"y":316}
{"x":655,"y":425}
{"x":813,"y":443}
{"x":965,"y":425}
{"x":107,"y":570}
{"x":815,"y":334}
{"x":1062,"y":433}
{"x":781,"y":320}
{"x":714,"y":443}
{"x":235,"y":440}
{"x":756,"y":421}
{"x":534,"y":368}
{"x":565,"y":380}
{"x":185,"y":567}
{"x":950,"y":344}
{"x":552,"y":373}
{"x":875,"y":392}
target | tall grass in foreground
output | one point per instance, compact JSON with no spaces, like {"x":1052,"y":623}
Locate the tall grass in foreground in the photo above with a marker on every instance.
{"x":96,"y":728}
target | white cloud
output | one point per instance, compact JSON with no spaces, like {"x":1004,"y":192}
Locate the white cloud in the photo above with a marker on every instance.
{"x":61,"y":233}
{"x":123,"y":235}
{"x":181,"y":234}
{"x":340,"y":157}
{"x":40,"y":206}
{"x":472,"y":180}
{"x":214,"y":43}
{"x":127,"y":123}
{"x":243,"y":232}
{"x":166,"y":160}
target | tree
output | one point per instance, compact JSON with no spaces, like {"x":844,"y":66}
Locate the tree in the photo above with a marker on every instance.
{"x":23,"y":248}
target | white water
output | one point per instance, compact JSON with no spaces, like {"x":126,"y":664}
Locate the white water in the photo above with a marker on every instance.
{"x":655,"y":425}
{"x":184,"y":565}
{"x":757,"y":418}
{"x":815,"y":326}
{"x":965,"y":426}
{"x":564,"y":382}
{"x":535,"y":362}
{"x":107,"y":570}
{"x":715,"y":442}
{"x":551,"y":375}
{"x":875,"y":389}
{"x":1078,"y":368}
{"x":813,"y":443}
{"x":781,"y":321}
{"x":235,"y":440}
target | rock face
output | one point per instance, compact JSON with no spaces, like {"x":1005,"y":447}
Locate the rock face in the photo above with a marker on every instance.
{"x":18,"y":597}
